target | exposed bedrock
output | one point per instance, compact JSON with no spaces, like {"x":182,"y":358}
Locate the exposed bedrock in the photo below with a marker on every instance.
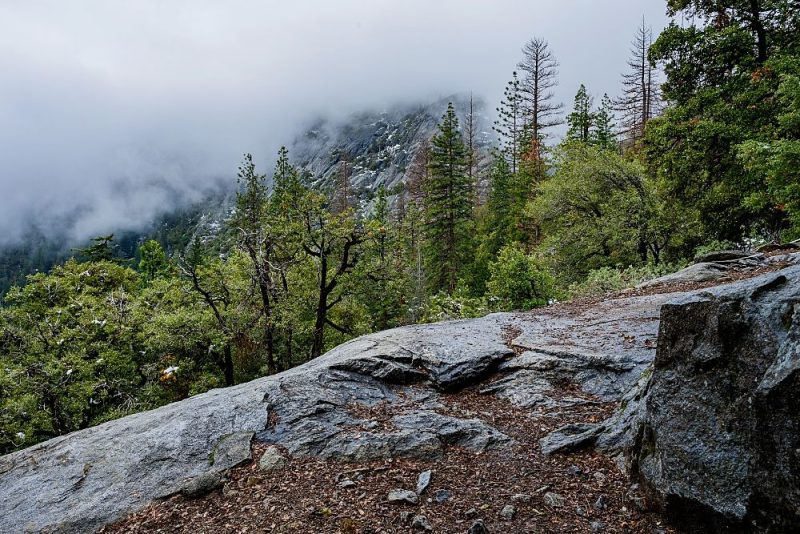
{"x":714,"y":435}
{"x":714,"y":425}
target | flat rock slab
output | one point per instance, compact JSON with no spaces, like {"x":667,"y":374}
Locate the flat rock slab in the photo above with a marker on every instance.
{"x":81,"y":481}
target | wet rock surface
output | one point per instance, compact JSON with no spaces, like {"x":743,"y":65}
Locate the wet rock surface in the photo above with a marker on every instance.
{"x":723,"y":265}
{"x":377,"y":398}
{"x":716,"y":434}
{"x":326,"y":409}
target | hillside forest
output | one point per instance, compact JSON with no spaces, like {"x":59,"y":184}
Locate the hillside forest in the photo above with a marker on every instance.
{"x":700,"y":150}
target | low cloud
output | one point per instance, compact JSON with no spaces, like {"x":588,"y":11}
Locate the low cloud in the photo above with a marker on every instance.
{"x":112,"y":112}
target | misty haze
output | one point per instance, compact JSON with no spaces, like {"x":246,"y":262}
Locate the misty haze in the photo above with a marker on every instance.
{"x":382,"y":266}
{"x":113,"y":113}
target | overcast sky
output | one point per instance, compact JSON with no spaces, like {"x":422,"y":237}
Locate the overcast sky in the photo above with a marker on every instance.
{"x":102,"y":96}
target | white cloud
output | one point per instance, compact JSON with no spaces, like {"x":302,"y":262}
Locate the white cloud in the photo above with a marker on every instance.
{"x":98,"y":93}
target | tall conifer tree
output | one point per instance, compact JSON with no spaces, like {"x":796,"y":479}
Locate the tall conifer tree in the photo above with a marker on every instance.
{"x":638,"y":103}
{"x":540,"y":75}
{"x":448,"y":204}
{"x":602,"y":133}
{"x":581,"y":119}
{"x":510,"y":123}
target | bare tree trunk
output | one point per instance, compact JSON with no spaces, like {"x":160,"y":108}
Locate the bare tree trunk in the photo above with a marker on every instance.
{"x":228,"y":365}
{"x":758,"y":28}
{"x":322,"y":311}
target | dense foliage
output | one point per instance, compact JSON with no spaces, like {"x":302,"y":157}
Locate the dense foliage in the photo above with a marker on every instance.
{"x":297,"y":270}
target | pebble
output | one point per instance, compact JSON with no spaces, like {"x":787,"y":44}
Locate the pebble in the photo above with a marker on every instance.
{"x":580,"y":510}
{"x":601,"y":503}
{"x":521,"y":497}
{"x":423,"y":480}
{"x":420,"y":522}
{"x":472,"y":512}
{"x":600,"y":477}
{"x":441,"y":495}
{"x":478,"y":527}
{"x":574,"y":470}
{"x":202,"y":484}
{"x":347,"y":483}
{"x":553,"y":499}
{"x":597,"y":526}
{"x":400,"y":496}
{"x":272,"y":459}
{"x":508,"y":512}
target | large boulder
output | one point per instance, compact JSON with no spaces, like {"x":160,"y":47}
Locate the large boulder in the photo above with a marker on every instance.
{"x":715,"y":436}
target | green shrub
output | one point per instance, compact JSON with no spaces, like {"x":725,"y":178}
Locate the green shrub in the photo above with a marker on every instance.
{"x":609,"y":279}
{"x":518,"y":281}
{"x":713,"y":246}
{"x":460,"y":305}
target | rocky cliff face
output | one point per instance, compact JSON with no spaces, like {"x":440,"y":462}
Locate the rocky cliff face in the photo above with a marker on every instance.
{"x":378,"y":147}
{"x":709,"y":423}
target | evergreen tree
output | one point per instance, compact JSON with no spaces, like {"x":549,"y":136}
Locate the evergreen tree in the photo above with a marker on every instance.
{"x":102,"y":249}
{"x":723,"y":76}
{"x":382,"y":273}
{"x":510,"y":123}
{"x":153,"y":262}
{"x":257,"y":240}
{"x":334,"y":244}
{"x":602,"y":133}
{"x":285,"y":179}
{"x":448,"y":204}
{"x":503,"y":206}
{"x":581,"y":120}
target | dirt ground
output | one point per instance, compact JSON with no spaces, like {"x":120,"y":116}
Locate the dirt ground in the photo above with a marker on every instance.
{"x":308,"y":495}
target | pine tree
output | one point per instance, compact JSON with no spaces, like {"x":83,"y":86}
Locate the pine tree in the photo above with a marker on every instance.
{"x":448,"y":204}
{"x":257,"y":240}
{"x":285,"y":220}
{"x":638,"y":103}
{"x":503,"y":205}
{"x":510,"y":123}
{"x":602,"y":133}
{"x":285,"y":179}
{"x":382,"y":273}
{"x":153,"y":262}
{"x":581,"y":119}
{"x":540,"y":75}
{"x":101,"y":250}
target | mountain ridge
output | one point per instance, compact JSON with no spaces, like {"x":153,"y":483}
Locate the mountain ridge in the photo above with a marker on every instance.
{"x":380,"y":144}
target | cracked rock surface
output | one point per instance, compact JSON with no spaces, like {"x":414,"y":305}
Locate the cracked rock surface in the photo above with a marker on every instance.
{"x":375,"y":397}
{"x":714,"y":434}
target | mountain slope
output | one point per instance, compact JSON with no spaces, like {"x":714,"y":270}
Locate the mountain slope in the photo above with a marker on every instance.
{"x":378,"y":146}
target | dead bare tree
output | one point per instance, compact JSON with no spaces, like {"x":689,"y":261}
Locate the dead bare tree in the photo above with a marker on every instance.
{"x":639,"y":101}
{"x":539,"y":69}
